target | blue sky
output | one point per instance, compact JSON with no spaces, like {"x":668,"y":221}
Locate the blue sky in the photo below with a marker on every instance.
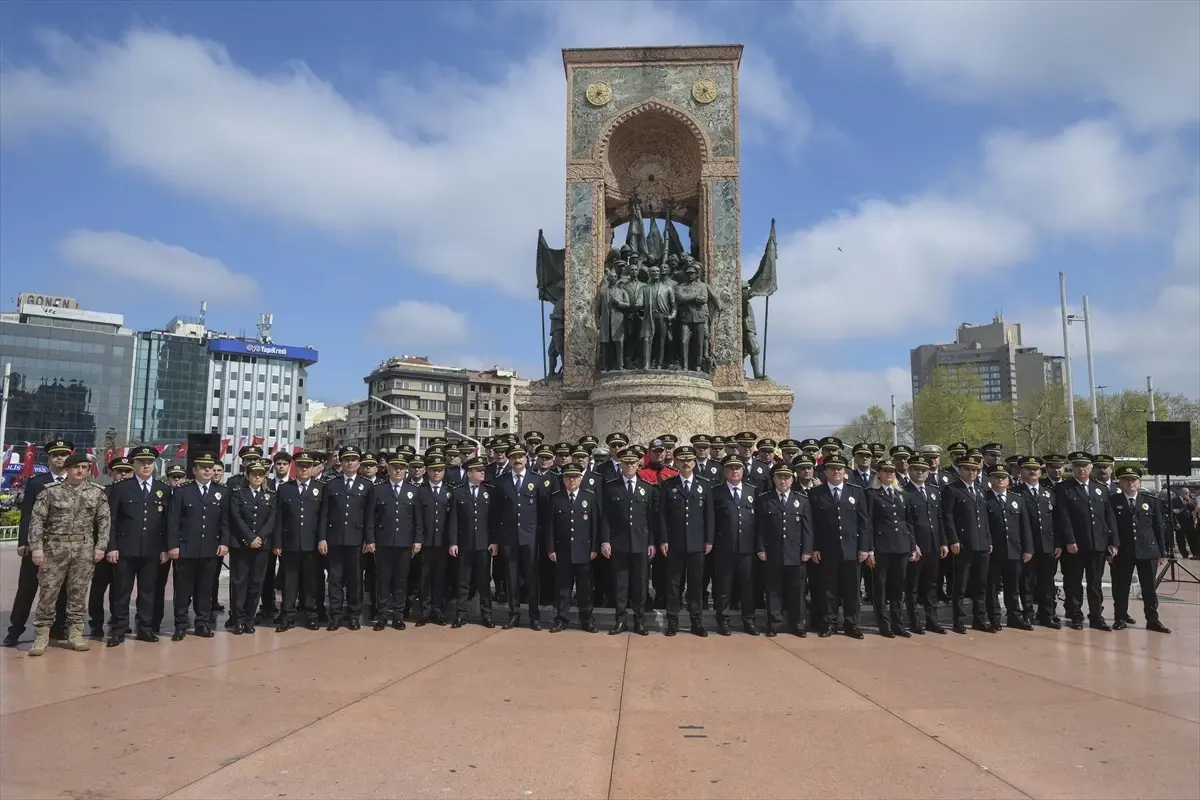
{"x":375,"y":174}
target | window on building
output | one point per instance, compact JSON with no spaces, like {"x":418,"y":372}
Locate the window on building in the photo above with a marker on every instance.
{"x":258,"y":431}
{"x":258,"y":414}
{"x":245,"y":431}
{"x":454,"y":407}
{"x":287,"y":380}
{"x":506,"y":390}
{"x":216,"y":411}
{"x":287,"y":398}
{"x":261,"y":396}
{"x":217,"y":369}
{"x":229,"y":431}
{"x":504,"y":407}
{"x":216,"y":394}
{"x":271,"y":432}
{"x":231,"y":413}
{"x":274,"y":379}
{"x":454,"y":390}
{"x":283,"y":433}
{"x":245,"y":395}
{"x":299,"y":418}
{"x":274,"y":397}
{"x":471,"y":405}
{"x":300,"y":382}
{"x":233,"y":376}
{"x":245,"y":413}
{"x":262,"y":378}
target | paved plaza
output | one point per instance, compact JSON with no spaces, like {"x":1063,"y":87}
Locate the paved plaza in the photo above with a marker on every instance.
{"x":443,"y":713}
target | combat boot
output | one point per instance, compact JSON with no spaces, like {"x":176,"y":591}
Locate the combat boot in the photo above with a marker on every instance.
{"x":75,"y":639}
{"x":41,"y":640}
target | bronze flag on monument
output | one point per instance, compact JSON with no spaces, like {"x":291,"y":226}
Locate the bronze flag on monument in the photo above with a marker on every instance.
{"x":764,"y":284}
{"x":551,"y":271}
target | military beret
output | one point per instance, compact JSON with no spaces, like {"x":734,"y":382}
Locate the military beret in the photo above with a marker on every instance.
{"x":77,"y":458}
{"x":58,"y":446}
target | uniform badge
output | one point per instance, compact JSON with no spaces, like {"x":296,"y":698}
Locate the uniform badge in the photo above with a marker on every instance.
{"x":584,"y":503}
{"x":1098,"y":492}
{"x":410,"y":495}
{"x":547,"y":485}
{"x":1145,"y":506}
{"x":530,"y":486}
{"x":1045,"y":494}
{"x":749,"y":498}
{"x":699,"y":490}
{"x":932,"y":496}
{"x":318,"y":491}
{"x":158,"y":493}
{"x":674,"y":491}
{"x":217,"y":495}
{"x":795,"y":504}
{"x":642,"y":491}
{"x":851,"y":498}
{"x":1014,"y":503}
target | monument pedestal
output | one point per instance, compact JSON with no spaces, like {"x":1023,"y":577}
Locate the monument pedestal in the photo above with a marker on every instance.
{"x":648,"y":404}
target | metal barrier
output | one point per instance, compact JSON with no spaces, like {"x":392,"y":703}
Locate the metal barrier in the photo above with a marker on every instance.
{"x":8,"y":533}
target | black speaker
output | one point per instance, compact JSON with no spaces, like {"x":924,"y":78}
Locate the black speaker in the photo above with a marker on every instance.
{"x":202,"y":443}
{"x":1169,"y":448}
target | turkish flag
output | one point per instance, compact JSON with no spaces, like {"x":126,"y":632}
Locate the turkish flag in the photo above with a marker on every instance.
{"x":257,"y":441}
{"x":181,"y":453}
{"x":224,"y":448}
{"x":108,"y":456}
{"x":29,"y":461}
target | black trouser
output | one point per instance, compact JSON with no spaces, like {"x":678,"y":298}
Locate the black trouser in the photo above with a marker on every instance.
{"x":680,"y":567}
{"x":102,"y":579}
{"x":247,"y":574}
{"x":299,"y":581}
{"x":547,"y":577}
{"x":602,"y":582}
{"x":216,"y":592}
{"x":970,"y":580}
{"x":312,"y":594}
{"x":710,"y":572}
{"x":391,"y":580}
{"x":660,"y":577}
{"x":568,"y":576}
{"x":888,"y":593}
{"x":268,"y":582}
{"x":27,"y":587}
{"x":499,"y":575}
{"x":475,"y":564}
{"x":369,"y":582}
{"x":922,"y":585}
{"x":193,"y":580}
{"x":160,"y":594}
{"x":839,"y":580}
{"x":731,"y":567}
{"x":1185,"y":541}
{"x":816,"y":594}
{"x":785,"y":590}
{"x":945,"y":582}
{"x":1003,"y":572}
{"x":433,"y":581}
{"x":142,"y":570}
{"x":345,"y":581}
{"x":1037,"y":586}
{"x":1122,"y":571}
{"x":629,"y":583}
{"x":522,"y":579}
{"x":868,"y":581}
{"x":1075,"y":566}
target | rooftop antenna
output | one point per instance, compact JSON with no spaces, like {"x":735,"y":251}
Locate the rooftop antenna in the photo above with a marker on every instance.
{"x":264,"y":327}
{"x":203,"y":311}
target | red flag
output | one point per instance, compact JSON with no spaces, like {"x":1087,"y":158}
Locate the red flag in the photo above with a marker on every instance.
{"x":224,"y":448}
{"x":181,"y":453}
{"x":257,"y":441}
{"x":30,"y":460}
{"x":108,"y":456}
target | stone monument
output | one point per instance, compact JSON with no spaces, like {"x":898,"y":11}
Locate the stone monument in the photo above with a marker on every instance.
{"x":652,"y":132}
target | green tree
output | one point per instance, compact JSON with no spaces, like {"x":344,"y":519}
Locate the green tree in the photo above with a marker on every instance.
{"x":1040,"y":422}
{"x":949,"y":409}
{"x":873,"y":426}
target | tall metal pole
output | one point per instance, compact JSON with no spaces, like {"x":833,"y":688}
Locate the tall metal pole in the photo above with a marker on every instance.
{"x":895,"y":427}
{"x":1087,"y":335}
{"x":1070,"y":390}
{"x":766,"y":328}
{"x":406,"y":413}
{"x":545,"y":350}
{"x":4,"y":406}
{"x":478,"y":444}
{"x":1150,"y":409}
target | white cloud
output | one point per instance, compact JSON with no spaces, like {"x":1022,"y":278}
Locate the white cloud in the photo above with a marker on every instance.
{"x":1089,"y":179}
{"x":826,"y":399}
{"x":1143,"y":57}
{"x":118,"y":257}
{"x":459,"y":172}
{"x":418,"y":328}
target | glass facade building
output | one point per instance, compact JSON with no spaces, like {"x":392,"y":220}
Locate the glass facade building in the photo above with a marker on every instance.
{"x":170,"y":388}
{"x":71,"y":375}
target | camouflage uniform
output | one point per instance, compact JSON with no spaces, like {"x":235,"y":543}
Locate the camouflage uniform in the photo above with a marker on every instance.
{"x":69,"y":524}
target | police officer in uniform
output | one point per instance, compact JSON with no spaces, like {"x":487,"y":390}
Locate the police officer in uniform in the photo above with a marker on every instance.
{"x":1143,"y":544}
{"x":251,"y":527}
{"x":394,"y":535}
{"x":862,"y":475}
{"x":472,"y":543}
{"x":707,"y":468}
{"x":57,"y":452}
{"x":1037,"y":577}
{"x":248,"y":455}
{"x":784,"y":540}
{"x":1012,"y":547}
{"x":571,"y":535}
{"x":734,"y":545}
{"x":627,"y":538}
{"x":686,"y":530}
{"x":197,"y":529}
{"x":434,"y":501}
{"x":1087,"y":531}
{"x":297,"y":531}
{"x":894,"y":548}
{"x":136,"y":545}
{"x":965,"y":522}
{"x":926,"y":523}
{"x":519,"y":495}
{"x":119,"y":469}
{"x":342,"y":524}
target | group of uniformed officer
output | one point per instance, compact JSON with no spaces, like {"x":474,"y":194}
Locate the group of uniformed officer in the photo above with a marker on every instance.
{"x":792,"y":525}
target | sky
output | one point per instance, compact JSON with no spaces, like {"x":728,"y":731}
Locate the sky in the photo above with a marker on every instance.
{"x":375,"y":175}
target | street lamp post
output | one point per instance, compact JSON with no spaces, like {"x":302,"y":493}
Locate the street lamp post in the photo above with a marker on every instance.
{"x":1087,"y":335}
{"x":1070,"y":390}
{"x":406,"y":413}
{"x":478,"y":444}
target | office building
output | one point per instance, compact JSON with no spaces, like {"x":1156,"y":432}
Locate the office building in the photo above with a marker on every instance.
{"x":71,"y":373}
{"x":994,"y":352}
{"x":335,"y":430}
{"x":449,"y":401}
{"x":170,"y":385}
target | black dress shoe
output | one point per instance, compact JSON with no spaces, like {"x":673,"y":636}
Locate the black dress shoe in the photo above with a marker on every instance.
{"x":1130,"y":620}
{"x":640,"y":628}
{"x":983,"y":627}
{"x":885,"y":633}
{"x":458,"y":622}
{"x":398,"y":624}
{"x":723,"y":628}
{"x":620,"y":627}
{"x":1053,"y":624}
{"x":772,"y":631}
{"x":1023,"y":624}
{"x":178,"y":635}
{"x":354,"y":624}
{"x":826,"y":633}
{"x":238,"y":629}
{"x":511,"y":623}
{"x":248,"y":627}
{"x":422,"y":622}
{"x":800,"y":632}
{"x":903,"y":632}
{"x":590,"y":627}
{"x":114,"y":640}
{"x":230,"y":624}
{"x":749,"y":629}
{"x":11,"y":639}
{"x":558,"y":627}
{"x":1119,"y":625}
{"x":853,"y":632}
{"x":933,"y":626}
{"x":672,"y":628}
{"x":487,"y":623}
{"x":1075,"y":624}
{"x":959,"y":628}
{"x":334,"y":625}
{"x":440,"y":621}
{"x":535,"y":625}
{"x":204,"y":632}
{"x":146,"y":636}
{"x":1157,"y":627}
{"x":380,"y":624}
{"x":698,"y":630}
{"x":917,"y":629}
{"x":312,"y":625}
{"x":1099,"y":625}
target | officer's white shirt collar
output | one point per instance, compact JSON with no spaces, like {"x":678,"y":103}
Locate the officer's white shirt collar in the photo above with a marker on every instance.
{"x":783,"y":496}
{"x":520,"y":476}
{"x":732,"y":488}
{"x":396,"y":486}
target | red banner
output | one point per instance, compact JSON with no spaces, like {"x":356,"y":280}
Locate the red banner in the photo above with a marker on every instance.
{"x":181,"y":453}
{"x":224,"y":448}
{"x":29,"y":461}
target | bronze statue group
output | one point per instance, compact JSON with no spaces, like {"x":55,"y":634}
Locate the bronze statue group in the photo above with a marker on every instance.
{"x":738,"y":524}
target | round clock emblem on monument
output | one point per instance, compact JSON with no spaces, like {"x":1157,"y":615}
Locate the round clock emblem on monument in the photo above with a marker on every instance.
{"x":704,"y":90}
{"x":599,"y":94}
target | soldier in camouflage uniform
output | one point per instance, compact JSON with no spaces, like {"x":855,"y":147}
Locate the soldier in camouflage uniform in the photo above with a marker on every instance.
{"x":67,"y":536}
